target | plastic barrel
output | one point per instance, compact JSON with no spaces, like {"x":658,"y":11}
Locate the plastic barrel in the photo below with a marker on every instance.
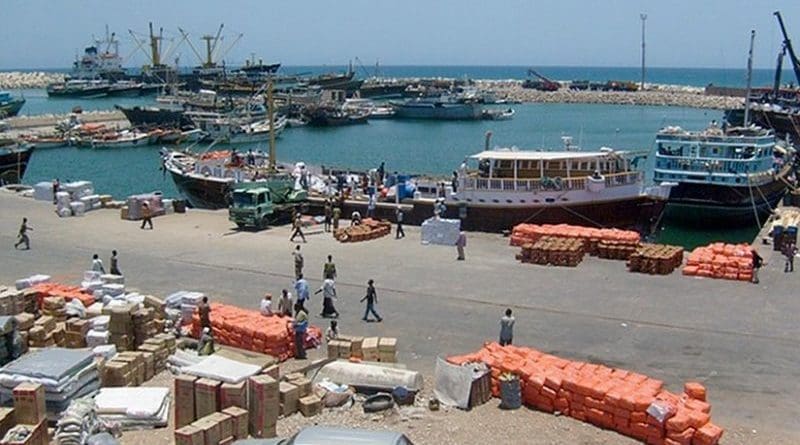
{"x":777,"y":237}
{"x":790,"y":234}
{"x":510,"y":393}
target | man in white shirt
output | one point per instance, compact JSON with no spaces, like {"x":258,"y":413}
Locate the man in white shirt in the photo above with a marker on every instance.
{"x":266,"y":305}
{"x":97,"y":264}
{"x":328,"y":290}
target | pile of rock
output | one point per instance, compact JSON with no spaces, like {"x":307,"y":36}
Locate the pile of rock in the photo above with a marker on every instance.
{"x":16,"y":80}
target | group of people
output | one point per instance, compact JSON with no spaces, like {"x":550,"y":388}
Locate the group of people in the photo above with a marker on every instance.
{"x":97,"y":264}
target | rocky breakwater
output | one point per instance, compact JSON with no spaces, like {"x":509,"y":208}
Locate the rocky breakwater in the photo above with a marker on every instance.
{"x":20,"y":80}
{"x":654,"y":95}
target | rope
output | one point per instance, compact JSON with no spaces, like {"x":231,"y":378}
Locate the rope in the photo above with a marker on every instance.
{"x":753,"y":201}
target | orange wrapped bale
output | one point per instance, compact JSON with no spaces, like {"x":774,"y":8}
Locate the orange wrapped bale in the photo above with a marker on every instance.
{"x":709,"y":434}
{"x":695,"y":390}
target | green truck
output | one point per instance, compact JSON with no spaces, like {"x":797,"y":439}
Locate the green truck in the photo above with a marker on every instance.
{"x":261,"y":203}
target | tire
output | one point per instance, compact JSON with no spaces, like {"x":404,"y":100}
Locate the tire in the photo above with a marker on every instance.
{"x":241,"y":225}
{"x":378,"y":402}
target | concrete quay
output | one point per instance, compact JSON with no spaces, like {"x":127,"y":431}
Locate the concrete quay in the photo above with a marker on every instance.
{"x":738,"y":339}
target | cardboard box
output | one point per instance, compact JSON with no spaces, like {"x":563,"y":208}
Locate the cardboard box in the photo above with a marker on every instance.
{"x":189,"y":435}
{"x":211,"y":430}
{"x":25,"y":321}
{"x":184,"y":400}
{"x":116,"y":374}
{"x":225,"y":424}
{"x":239,"y":421}
{"x":206,"y":393}
{"x":273,"y":371}
{"x":47,"y":322}
{"x":289,"y":394}
{"x":29,"y":407}
{"x":7,"y":420}
{"x":356,"y":346}
{"x":233,"y":394}
{"x":387,"y":344}
{"x":344,"y":349}
{"x":149,"y":365}
{"x":369,"y":349}
{"x":387,"y":357}
{"x":226,"y":441}
{"x":310,"y":405}
{"x":333,"y":348}
{"x":303,"y":384}
{"x":38,"y":435}
{"x":264,"y":406}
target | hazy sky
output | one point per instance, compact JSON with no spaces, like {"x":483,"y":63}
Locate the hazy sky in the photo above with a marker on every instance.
{"x":680,"y":33}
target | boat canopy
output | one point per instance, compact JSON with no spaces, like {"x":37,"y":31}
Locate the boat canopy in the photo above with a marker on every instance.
{"x":529,"y":155}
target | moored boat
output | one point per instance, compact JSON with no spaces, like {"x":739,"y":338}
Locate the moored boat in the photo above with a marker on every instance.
{"x":725,"y":178}
{"x":14,"y":159}
{"x":85,"y":89}
{"x":498,"y":115}
{"x":121,"y":139}
{"x":9,"y":105}
{"x":46,"y":141}
{"x":444,"y":107}
{"x":334,"y":116}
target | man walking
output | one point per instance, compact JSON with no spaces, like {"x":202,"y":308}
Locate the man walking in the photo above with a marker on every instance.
{"x":300,"y":325}
{"x":789,"y":251}
{"x":371,"y":206}
{"x":114,"y":264}
{"x":328,"y":290}
{"x":337,"y":215}
{"x":56,"y":188}
{"x":298,"y":262}
{"x":297,"y":224}
{"x":97,"y":264}
{"x":301,"y":289}
{"x":329,"y":269}
{"x":757,"y":263}
{"x":372,"y":299}
{"x":461,"y":242}
{"x":22,"y":236}
{"x":147,"y":216}
{"x":400,"y":232}
{"x":204,"y":310}
{"x":506,"y":328}
{"x":328,"y":215}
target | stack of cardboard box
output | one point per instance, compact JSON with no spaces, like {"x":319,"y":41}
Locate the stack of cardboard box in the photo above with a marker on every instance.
{"x":375,"y":349}
{"x":206,"y":397}
{"x":264,"y":397}
{"x":76,"y":330}
{"x":13,"y":301}
{"x":55,"y":307}
{"x":121,"y":326}
{"x":125,"y":369}
{"x":217,"y":428}
{"x":25,"y":322}
{"x":387,"y":350}
{"x":233,"y":394}
{"x":30,"y":416}
{"x":144,"y":326}
{"x":159,"y":350}
{"x":41,"y":334}
{"x":289,"y":394}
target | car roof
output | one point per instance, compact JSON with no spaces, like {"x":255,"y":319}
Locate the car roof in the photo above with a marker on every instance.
{"x":320,"y":435}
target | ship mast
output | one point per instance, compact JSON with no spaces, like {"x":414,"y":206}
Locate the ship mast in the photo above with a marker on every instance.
{"x":270,"y":115}
{"x":154,"y":44}
{"x":749,"y":79}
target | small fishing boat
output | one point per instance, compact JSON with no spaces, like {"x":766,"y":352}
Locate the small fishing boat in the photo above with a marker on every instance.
{"x":238,"y":131}
{"x":498,"y":115}
{"x":14,"y":158}
{"x":374,"y":110}
{"x":46,"y":141}
{"x":85,"y":89}
{"x":334,"y":116}
{"x":121,"y":139}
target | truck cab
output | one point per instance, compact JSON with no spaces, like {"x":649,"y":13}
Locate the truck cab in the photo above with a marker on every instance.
{"x":251,"y":207}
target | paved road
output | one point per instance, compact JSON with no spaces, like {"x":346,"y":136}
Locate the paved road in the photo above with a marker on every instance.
{"x":741,"y":340}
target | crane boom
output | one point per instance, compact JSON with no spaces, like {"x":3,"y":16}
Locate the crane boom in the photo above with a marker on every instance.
{"x":194,"y":50}
{"x":776,"y":85}
{"x":789,"y":49}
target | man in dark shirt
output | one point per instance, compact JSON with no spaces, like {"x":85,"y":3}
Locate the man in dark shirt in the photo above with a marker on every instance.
{"x":23,"y":235}
{"x":205,"y":313}
{"x":114,"y":264}
{"x":371,"y":298}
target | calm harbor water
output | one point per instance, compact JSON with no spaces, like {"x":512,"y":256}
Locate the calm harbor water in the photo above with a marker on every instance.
{"x":406,"y":146}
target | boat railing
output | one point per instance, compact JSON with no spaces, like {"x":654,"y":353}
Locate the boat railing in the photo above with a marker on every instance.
{"x":536,"y":185}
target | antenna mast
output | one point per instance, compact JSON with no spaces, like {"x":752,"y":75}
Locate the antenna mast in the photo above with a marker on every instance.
{"x":749,"y":79}
{"x":643,"y":17}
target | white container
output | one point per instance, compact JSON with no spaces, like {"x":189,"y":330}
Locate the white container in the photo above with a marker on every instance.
{"x":43,"y":191}
{"x":113,"y":290}
{"x":97,"y":338}
{"x":78,"y":208}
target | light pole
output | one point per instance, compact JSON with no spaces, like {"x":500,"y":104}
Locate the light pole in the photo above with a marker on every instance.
{"x":644,"y":19}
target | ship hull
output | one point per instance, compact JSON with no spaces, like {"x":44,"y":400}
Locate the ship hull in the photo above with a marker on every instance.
{"x":724,"y":206}
{"x":782,"y":123}
{"x":439,"y":111}
{"x":202,"y":193}
{"x":12,"y":108}
{"x":14,"y":164}
{"x":155,"y":117}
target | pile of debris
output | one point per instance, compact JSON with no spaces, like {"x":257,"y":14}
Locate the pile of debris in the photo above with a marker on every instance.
{"x":369,"y":229}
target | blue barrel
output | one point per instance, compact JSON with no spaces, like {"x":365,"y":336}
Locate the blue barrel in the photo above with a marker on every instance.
{"x":777,"y":237}
{"x":790,"y":234}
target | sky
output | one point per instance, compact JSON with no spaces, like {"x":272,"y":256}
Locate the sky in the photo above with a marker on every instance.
{"x":680,"y":33}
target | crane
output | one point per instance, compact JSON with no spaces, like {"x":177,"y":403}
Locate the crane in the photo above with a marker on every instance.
{"x":543,"y":84}
{"x":788,"y":47}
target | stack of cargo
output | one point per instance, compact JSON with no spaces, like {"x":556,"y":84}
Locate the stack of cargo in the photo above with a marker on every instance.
{"x":160,"y":346}
{"x":98,"y":333}
{"x":218,"y":428}
{"x":10,"y":340}
{"x":656,"y":259}
{"x":68,"y":293}
{"x":369,"y":229}
{"x":64,"y":373}
{"x":133,"y":209}
{"x":30,"y":416}
{"x":133,"y":408}
{"x":77,"y":423}
{"x":125,"y":369}
{"x":530,"y":233}
{"x":558,"y":251}
{"x":41,"y":335}
{"x":121,"y":326}
{"x":186,"y":302}
{"x":247,"y":329}
{"x":719,"y":260}
{"x":627,"y":402}
{"x":55,"y":307}
{"x":440,"y":231}
{"x":13,"y":301}
{"x":31,"y":281}
{"x":75,"y":198}
{"x":76,"y":331}
{"x":24,"y":323}
{"x":616,"y":250}
{"x":784,"y":229}
{"x":144,"y":325}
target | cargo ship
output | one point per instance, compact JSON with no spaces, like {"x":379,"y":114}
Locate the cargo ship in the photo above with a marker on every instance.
{"x":444,"y":107}
{"x":730,"y":177}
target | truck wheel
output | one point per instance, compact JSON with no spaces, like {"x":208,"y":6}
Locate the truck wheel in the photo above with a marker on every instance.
{"x":264,"y":223}
{"x":241,"y":225}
